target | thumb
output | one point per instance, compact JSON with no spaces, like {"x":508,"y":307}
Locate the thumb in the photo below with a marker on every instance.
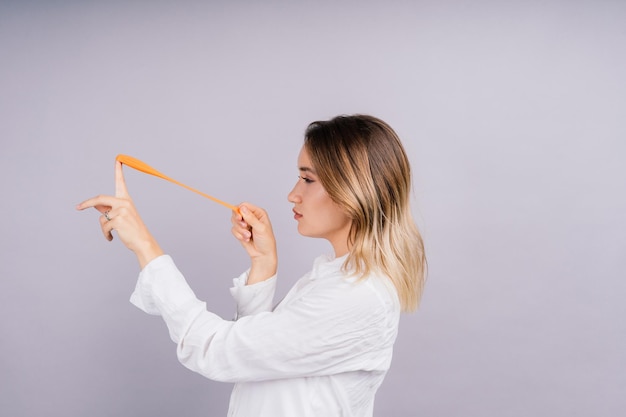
{"x":250,"y":217}
{"x":120,"y":184}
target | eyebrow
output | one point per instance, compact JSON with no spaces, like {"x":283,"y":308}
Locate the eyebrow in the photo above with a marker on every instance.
{"x":307,"y":169}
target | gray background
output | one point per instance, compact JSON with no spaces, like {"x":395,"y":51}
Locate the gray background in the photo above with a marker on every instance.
{"x":513,"y":114}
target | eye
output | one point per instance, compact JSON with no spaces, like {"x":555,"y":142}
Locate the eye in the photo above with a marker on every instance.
{"x":305,"y":179}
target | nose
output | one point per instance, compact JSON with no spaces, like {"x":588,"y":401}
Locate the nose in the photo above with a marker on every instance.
{"x":294,"y":196}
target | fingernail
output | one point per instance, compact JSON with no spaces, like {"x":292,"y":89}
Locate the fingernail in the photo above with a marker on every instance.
{"x":244,"y":210}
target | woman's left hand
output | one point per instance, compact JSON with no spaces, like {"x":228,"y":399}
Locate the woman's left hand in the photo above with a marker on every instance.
{"x":119,"y":214}
{"x":253,"y":229}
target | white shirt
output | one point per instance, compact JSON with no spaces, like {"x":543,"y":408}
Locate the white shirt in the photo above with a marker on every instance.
{"x":323,"y":351}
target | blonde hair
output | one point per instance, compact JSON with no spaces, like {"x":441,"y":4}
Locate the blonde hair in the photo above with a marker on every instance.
{"x":363,"y":167}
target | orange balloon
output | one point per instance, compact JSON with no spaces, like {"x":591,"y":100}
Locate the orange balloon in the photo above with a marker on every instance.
{"x":147,"y":169}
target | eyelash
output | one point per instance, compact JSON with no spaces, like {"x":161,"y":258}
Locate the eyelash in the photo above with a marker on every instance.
{"x":305,"y":179}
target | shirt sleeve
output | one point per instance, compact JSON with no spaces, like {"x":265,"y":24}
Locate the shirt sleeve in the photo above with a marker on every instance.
{"x":253,"y":299}
{"x":162,"y":290}
{"x":326,"y":331}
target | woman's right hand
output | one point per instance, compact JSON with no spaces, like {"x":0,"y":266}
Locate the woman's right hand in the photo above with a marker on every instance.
{"x":253,"y":229}
{"x":119,"y":214}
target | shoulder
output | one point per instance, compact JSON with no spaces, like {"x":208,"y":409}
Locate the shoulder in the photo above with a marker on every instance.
{"x":331,"y":286}
{"x":382,"y":287}
{"x":342,"y":292}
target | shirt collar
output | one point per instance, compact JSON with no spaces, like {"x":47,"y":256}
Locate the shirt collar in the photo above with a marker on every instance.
{"x":326,"y":265}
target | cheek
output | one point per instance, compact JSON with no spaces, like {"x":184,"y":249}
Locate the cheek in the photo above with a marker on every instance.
{"x":341,"y":219}
{"x":333,"y":214}
{"x":318,"y":196}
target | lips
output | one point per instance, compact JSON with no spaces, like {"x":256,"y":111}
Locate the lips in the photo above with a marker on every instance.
{"x":296,"y":215}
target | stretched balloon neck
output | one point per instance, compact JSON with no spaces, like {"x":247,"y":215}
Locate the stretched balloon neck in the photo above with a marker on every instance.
{"x":143,"y":167}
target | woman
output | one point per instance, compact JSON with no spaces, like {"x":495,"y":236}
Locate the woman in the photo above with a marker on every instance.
{"x":325,"y":348}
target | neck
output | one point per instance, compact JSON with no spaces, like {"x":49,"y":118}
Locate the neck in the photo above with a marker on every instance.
{"x":340,"y":249}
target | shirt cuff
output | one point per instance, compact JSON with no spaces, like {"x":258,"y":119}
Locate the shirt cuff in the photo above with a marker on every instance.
{"x":161,"y":288}
{"x":142,"y":297}
{"x":255,"y":298}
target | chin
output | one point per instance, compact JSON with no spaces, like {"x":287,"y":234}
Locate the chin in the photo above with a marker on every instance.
{"x":304,"y":232}
{"x":301,"y":230}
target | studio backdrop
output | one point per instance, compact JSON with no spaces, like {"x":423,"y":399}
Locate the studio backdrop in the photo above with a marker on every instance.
{"x":513,"y":116}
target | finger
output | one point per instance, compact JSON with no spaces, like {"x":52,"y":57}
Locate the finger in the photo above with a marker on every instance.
{"x":258,"y":212}
{"x":242,"y":235}
{"x":240,"y":227}
{"x":106,"y":227}
{"x":252,"y":215}
{"x":102,"y":209}
{"x":236,"y":218}
{"x":99,"y":202}
{"x":120,"y":183}
{"x":236,"y":215}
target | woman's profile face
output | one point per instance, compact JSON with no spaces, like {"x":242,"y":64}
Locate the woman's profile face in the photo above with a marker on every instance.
{"x":316,"y":213}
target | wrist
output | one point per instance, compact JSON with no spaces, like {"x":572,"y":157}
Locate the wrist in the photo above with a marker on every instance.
{"x":148,"y":252}
{"x":262,"y":269}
